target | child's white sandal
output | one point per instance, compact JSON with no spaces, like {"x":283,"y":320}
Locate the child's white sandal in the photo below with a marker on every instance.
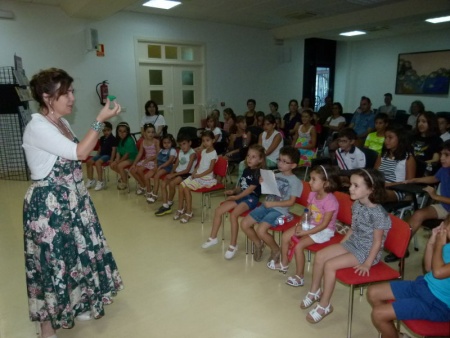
{"x":314,"y":316}
{"x":307,"y":302}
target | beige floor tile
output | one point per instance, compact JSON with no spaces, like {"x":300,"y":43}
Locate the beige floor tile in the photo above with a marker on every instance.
{"x":173,"y":288}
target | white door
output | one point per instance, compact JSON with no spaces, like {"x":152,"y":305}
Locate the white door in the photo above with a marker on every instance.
{"x":177,"y":89}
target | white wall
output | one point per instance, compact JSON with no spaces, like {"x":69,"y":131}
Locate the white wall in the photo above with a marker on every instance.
{"x":369,"y":68}
{"x":241,"y":63}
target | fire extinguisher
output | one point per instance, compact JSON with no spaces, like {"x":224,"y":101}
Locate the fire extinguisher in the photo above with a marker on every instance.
{"x":103,"y":92}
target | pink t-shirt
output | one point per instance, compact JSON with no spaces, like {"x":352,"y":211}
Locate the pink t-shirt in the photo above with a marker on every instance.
{"x":318,"y":208}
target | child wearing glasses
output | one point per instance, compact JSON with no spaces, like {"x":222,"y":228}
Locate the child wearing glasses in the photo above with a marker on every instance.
{"x":267,"y":215}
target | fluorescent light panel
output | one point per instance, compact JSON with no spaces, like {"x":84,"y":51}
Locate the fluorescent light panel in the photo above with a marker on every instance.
{"x":439,"y":20}
{"x":163,"y":4}
{"x":353,"y":33}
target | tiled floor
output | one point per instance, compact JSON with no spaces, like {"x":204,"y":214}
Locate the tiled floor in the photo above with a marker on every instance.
{"x":173,"y":288}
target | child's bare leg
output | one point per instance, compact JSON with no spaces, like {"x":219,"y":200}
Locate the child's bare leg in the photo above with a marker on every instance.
{"x":342,"y":259}
{"x":140,"y":173}
{"x":263,"y":233}
{"x":238,"y":210}
{"x":181,"y":197}
{"x":421,"y":215}
{"x":147,"y":178}
{"x":299,"y":252}
{"x":121,"y":168}
{"x":90,"y":169}
{"x":99,"y":169}
{"x":217,"y":220}
{"x":247,"y":226}
{"x":319,"y":262}
{"x":188,"y":199}
{"x":173,"y":186}
{"x":156,"y":180}
{"x":164,"y":186}
{"x":383,"y":314}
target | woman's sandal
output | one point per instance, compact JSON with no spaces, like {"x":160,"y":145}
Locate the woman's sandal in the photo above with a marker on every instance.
{"x":308,"y":301}
{"x":295,"y":281}
{"x":314,"y":316}
{"x":277,"y":266}
{"x":178,"y":214}
{"x":186,"y":217}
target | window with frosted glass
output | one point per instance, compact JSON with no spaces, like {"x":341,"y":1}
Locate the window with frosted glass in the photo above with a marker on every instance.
{"x":187,"y":53}
{"x":188,"y":115}
{"x":171,"y":52}
{"x":155,"y":77}
{"x":187,"y":78}
{"x":188,"y":97}
{"x":154,"y":51}
{"x":157,"y":96}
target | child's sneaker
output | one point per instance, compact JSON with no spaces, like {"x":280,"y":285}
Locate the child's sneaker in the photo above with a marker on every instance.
{"x":140,"y":190}
{"x":210,"y":242}
{"x":90,"y":184}
{"x":163,"y":210}
{"x":99,"y":186}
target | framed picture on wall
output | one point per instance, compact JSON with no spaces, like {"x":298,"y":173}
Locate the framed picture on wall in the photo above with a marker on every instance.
{"x":425,"y":73}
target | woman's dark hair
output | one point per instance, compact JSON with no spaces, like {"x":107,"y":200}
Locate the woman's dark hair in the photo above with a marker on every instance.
{"x":303,"y":101}
{"x":329,"y":174}
{"x":52,"y":81}
{"x":433,"y":126}
{"x":170,"y":138}
{"x":374,"y":180}
{"x":230,"y":112}
{"x":108,"y":125}
{"x":273,"y":103}
{"x":234,"y":127}
{"x":404,"y":146}
{"x":270,"y":118}
{"x":339,"y":105}
{"x":259,"y":114}
{"x":418,"y":104}
{"x":148,"y":104}
{"x":127,"y":126}
{"x":292,"y":101}
{"x":251,"y":101}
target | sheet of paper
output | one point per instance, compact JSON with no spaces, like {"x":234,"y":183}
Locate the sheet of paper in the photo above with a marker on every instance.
{"x":269,"y":184}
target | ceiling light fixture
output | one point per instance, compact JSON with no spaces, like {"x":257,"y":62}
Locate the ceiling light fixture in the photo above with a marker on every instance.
{"x":439,"y":20}
{"x":163,"y":4}
{"x":353,"y":33}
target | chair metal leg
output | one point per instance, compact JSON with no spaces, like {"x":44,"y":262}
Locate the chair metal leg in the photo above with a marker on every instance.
{"x":416,"y":244}
{"x":350,"y":312}
{"x":203,"y":207}
{"x":309,"y":256}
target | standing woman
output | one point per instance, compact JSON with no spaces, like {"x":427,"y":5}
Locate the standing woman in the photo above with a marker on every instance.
{"x":70,"y":270}
{"x":152,"y":116}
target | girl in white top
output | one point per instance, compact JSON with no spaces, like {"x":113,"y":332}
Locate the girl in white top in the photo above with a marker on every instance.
{"x":182,"y":169}
{"x":271,"y":141}
{"x":212,"y":124}
{"x":202,"y":177}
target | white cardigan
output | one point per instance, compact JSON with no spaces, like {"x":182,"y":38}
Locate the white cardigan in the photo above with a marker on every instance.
{"x":43,"y":143}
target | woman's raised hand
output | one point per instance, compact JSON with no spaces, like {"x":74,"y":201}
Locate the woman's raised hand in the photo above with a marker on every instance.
{"x":107,"y":112}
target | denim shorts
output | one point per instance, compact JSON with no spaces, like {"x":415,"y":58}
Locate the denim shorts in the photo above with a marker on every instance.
{"x":414,"y":300}
{"x":104,"y":158}
{"x":267,"y":215}
{"x":251,"y":200}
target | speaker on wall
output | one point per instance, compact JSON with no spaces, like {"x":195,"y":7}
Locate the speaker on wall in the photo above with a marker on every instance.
{"x":91,"y":38}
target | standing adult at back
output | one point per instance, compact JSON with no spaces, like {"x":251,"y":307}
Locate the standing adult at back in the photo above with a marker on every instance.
{"x":152,"y":116}
{"x":388,"y":107}
{"x":326,"y":110}
{"x":363,"y":121}
{"x":250,"y":114}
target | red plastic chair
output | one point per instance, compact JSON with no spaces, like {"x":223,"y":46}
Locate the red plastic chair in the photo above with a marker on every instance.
{"x":397,"y":241}
{"x":303,"y":199}
{"x":426,"y":328}
{"x":344,"y":215}
{"x":220,"y":170}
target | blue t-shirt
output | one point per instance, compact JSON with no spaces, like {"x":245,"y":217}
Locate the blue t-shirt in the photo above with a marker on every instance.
{"x":440,"y":287}
{"x":443,"y":176}
{"x":251,"y":177}
{"x":362,"y":122}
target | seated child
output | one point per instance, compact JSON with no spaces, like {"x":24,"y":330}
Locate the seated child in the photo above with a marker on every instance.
{"x":361,"y":247}
{"x":165,"y":159}
{"x":182,"y":169}
{"x":269,"y":212}
{"x":108,"y":144}
{"x":375,"y":140}
{"x":323,"y":207}
{"x":444,"y":125}
{"x":349,"y":156}
{"x":305,"y":138}
{"x":242,"y":198}
{"x":441,"y":208}
{"x":203,"y":176}
{"x":426,"y":298}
